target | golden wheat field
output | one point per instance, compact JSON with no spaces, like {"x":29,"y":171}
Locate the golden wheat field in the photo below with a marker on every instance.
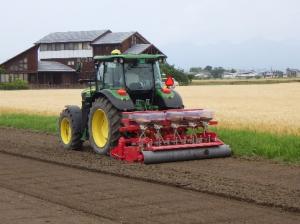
{"x":273,"y":108}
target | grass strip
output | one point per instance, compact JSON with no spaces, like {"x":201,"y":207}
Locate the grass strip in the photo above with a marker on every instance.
{"x":285,"y":148}
{"x":249,"y":143}
{"x":33,"y":122}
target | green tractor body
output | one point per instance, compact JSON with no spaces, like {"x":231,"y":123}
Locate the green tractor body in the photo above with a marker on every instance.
{"x":125,"y":110}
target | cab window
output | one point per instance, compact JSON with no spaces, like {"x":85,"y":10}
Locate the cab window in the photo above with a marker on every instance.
{"x":113,"y":75}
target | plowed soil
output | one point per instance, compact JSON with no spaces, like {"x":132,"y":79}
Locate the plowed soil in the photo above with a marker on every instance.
{"x":205,"y":191}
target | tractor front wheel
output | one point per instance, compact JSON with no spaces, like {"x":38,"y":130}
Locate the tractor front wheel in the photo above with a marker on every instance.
{"x":104,"y":124}
{"x":70,"y":125}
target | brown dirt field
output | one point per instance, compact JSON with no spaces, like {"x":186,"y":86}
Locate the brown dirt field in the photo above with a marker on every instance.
{"x":20,"y":208}
{"x":271,"y":107}
{"x":258,"y":182}
{"x":111,"y":199}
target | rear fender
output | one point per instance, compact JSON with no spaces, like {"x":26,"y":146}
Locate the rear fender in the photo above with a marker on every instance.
{"x":169,"y":101}
{"x":123,"y":103}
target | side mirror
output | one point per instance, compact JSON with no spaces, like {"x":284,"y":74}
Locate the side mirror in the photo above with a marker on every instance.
{"x":169,"y":82}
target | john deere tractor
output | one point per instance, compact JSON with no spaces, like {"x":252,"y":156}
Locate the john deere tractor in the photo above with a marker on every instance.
{"x":130,"y":114}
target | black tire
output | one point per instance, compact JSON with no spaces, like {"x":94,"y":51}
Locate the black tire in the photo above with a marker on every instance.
{"x":114,"y":122}
{"x":73,"y":115}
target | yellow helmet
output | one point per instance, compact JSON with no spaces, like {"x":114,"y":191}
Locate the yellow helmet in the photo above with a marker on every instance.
{"x":116,"y":51}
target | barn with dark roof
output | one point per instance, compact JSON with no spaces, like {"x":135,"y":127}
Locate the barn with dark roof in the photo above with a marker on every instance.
{"x":61,"y":58}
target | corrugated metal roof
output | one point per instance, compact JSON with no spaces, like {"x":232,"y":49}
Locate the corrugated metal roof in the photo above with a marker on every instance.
{"x":72,"y":36}
{"x":53,"y":66}
{"x":113,"y":38}
{"x":137,"y":49}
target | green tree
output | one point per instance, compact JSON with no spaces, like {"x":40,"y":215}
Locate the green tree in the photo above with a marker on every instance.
{"x":176,"y":73}
{"x":191,"y":77}
{"x":217,"y":72}
{"x":208,"y":68}
{"x":195,"y":69}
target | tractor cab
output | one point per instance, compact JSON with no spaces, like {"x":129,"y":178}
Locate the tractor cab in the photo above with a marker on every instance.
{"x":137,"y":76}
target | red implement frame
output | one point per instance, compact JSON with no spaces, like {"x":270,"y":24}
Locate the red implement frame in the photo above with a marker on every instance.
{"x":134,"y":140}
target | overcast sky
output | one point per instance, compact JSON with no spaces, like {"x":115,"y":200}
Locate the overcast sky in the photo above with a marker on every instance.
{"x":229,"y":33}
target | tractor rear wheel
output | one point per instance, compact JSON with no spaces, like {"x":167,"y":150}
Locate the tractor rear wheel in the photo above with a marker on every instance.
{"x":70,"y":125}
{"x":104,"y":124}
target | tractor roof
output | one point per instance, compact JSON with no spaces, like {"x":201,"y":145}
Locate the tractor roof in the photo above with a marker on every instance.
{"x":129,"y":56}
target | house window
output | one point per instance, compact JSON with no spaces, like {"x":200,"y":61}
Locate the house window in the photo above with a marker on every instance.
{"x":78,"y":46}
{"x":86,"y":46}
{"x":16,"y":77}
{"x":13,"y":68}
{"x":21,"y":65}
{"x":133,"y":40}
{"x":70,"y":63}
{"x":4,"y":78}
{"x":43,"y":47}
{"x":59,"y":47}
{"x":69,"y":46}
{"x":50,"y":47}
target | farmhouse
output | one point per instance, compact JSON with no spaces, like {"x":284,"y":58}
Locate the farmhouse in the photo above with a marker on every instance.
{"x":293,"y":72}
{"x":61,"y":58}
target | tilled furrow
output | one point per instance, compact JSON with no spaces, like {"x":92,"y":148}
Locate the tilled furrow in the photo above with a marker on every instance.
{"x":118,"y":199}
{"x":253,"y":181}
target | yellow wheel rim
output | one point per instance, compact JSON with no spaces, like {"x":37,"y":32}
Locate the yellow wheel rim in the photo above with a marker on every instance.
{"x":100,"y":128}
{"x":65,"y":131}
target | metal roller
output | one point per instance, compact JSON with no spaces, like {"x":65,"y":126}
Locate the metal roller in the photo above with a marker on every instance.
{"x":151,"y":157}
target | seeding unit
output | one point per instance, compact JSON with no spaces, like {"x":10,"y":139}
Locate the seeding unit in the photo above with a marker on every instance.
{"x":172,"y":135}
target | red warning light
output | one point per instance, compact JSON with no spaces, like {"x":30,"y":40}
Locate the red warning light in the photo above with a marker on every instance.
{"x":166,"y":90}
{"x":169,"y":81}
{"x":122,"y":92}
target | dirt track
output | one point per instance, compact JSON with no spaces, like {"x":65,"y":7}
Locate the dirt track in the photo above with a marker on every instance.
{"x":130,"y":200}
{"x":20,"y":208}
{"x":101,"y":198}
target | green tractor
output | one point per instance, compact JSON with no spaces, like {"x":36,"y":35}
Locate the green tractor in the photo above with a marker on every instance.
{"x":130,"y":114}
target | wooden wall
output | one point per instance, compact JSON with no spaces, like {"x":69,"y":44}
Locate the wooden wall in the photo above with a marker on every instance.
{"x":24,"y":63}
{"x":56,"y":78}
{"x":152,"y":50}
{"x":106,"y":49}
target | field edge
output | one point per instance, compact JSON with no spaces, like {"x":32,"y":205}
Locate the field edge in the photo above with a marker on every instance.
{"x":244,"y":143}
